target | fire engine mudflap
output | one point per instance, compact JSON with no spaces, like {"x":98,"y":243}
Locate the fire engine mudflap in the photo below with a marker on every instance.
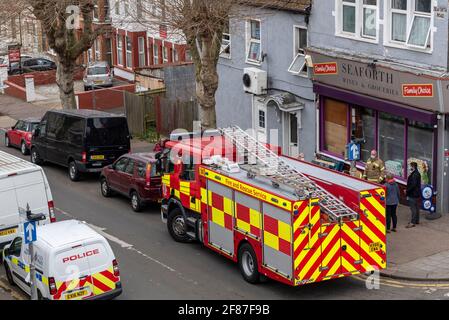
{"x":265,"y":224}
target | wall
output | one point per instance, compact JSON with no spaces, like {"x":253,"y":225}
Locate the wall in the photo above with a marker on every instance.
{"x":234,"y":106}
{"x":15,"y":90}
{"x":105,"y":99}
{"x":42,"y":77}
{"x":322,"y":35}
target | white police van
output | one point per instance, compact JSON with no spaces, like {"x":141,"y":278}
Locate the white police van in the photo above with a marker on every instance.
{"x":72,"y":262}
{"x":21,"y":183}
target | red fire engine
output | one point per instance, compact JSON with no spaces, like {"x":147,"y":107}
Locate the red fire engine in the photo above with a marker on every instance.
{"x":286,"y":219}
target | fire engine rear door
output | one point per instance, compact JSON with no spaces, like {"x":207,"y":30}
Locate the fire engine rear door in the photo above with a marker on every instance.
{"x":277,"y":240}
{"x":221,"y":217}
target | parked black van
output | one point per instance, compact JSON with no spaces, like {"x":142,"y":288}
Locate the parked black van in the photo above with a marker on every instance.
{"x":82,"y":140}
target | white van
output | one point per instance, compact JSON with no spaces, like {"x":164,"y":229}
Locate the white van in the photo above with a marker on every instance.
{"x":21,"y":183}
{"x":72,"y":261}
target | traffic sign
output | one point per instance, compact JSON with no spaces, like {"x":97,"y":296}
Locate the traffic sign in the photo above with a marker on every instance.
{"x":29,"y":228}
{"x":353,"y":151}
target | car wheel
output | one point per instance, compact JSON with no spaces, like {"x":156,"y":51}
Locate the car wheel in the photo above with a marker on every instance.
{"x":35,"y":157}
{"x":9,"y":275}
{"x":74,"y":173}
{"x":23,"y":148}
{"x":177,"y":226}
{"x":248,"y":264}
{"x":7,"y":143}
{"x":105,"y":190}
{"x":136,"y":203}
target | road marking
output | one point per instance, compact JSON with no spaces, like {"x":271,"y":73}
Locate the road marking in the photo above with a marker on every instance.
{"x":407,"y":284}
{"x":121,"y":243}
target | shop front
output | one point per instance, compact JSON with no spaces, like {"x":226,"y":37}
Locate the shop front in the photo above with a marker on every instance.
{"x":392,"y":111}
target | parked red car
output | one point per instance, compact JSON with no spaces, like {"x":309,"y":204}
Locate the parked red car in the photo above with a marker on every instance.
{"x":134,"y":176}
{"x":19,"y":136}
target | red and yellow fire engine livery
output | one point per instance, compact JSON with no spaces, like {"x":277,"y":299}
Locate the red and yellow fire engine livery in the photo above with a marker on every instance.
{"x":268,"y":230}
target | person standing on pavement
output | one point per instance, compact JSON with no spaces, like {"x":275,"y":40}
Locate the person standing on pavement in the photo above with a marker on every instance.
{"x":375,"y":169}
{"x":392,"y":201}
{"x":413,"y":193}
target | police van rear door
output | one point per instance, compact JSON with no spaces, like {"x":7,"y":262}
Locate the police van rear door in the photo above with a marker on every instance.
{"x":72,"y":273}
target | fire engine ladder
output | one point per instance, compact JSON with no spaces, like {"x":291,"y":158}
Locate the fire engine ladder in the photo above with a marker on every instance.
{"x":261,"y":160}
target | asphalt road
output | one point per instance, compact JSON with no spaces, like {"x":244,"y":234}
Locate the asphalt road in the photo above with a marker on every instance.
{"x":153,"y":266}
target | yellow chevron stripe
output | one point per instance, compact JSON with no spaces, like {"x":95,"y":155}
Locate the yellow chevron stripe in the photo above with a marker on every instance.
{"x":375,"y":222}
{"x":73,"y":284}
{"x":300,"y":239}
{"x":373,"y":255}
{"x":101,"y":278}
{"x":377,"y":205}
{"x":302,"y":273}
{"x":332,"y":252}
{"x":347,"y":265}
{"x":166,"y":180}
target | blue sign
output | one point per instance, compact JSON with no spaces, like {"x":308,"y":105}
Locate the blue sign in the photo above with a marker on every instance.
{"x":353,"y":152}
{"x":427,"y":198}
{"x":29,"y":229}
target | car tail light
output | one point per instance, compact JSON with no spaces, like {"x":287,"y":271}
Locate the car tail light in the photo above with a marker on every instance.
{"x":116,"y":270}
{"x":148,"y":175}
{"x":52,"y":286}
{"x":51,"y":209}
{"x":28,"y":136}
{"x":84,"y":157}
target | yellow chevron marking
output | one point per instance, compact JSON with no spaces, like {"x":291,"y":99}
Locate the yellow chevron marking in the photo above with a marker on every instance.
{"x":378,"y":206}
{"x":302,"y":273}
{"x":73,"y":284}
{"x":101,"y":278}
{"x":300,"y":238}
{"x":177,"y":194}
{"x":375,"y":222}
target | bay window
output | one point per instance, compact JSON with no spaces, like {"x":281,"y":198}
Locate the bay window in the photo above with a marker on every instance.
{"x":119,"y":50}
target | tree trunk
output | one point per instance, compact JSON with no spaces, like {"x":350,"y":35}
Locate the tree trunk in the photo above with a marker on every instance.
{"x":207,"y":83}
{"x":64,"y":79}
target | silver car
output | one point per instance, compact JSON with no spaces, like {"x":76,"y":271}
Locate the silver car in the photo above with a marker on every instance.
{"x":97,"y":75}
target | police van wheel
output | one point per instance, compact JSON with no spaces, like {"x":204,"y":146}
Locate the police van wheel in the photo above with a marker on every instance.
{"x":9,"y":275}
{"x":74,"y":173}
{"x":248,"y":264}
{"x":177,"y":226}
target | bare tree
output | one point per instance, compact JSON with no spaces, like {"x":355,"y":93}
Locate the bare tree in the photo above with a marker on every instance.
{"x":69,"y":31}
{"x":202,"y":23}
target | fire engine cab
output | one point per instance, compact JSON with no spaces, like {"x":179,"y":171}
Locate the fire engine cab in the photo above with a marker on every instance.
{"x":276,"y":216}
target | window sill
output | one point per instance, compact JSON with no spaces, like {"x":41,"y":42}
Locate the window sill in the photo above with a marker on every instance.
{"x":405,"y":47}
{"x":301,"y":74}
{"x":253,"y":62}
{"x":355,"y":38}
{"x":225,"y":56}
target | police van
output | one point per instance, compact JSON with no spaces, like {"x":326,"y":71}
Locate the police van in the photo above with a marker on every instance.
{"x":22,"y":184}
{"x":72,"y":261}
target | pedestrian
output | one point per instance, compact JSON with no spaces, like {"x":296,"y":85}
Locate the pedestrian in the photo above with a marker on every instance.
{"x":392,"y":201}
{"x":413,"y":194}
{"x":375,"y":169}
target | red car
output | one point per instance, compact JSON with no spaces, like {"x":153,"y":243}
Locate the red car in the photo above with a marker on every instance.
{"x":19,"y":136}
{"x":134,"y":176}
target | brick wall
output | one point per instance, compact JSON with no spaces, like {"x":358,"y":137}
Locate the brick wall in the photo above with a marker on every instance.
{"x":15,"y":90}
{"x":42,"y":77}
{"x":105,"y":99}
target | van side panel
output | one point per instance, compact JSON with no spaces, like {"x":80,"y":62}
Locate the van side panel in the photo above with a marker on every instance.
{"x":9,"y":217}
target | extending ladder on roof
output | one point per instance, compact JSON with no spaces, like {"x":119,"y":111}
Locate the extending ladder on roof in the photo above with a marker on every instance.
{"x":261,"y":160}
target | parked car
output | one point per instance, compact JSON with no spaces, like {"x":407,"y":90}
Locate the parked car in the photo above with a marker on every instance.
{"x":97,"y":74}
{"x":21,"y":183}
{"x":82,"y":140}
{"x":30,"y":64}
{"x":19,"y":135}
{"x":135,"y":176}
{"x":73,"y":262}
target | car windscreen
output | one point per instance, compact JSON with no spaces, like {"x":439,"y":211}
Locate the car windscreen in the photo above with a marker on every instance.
{"x":107,"y":132}
{"x":97,"y":71}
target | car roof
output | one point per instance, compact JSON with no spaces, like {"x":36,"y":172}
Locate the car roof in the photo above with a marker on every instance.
{"x":98,"y":64}
{"x":87,"y":113}
{"x":32,"y":120}
{"x":143,"y":156}
{"x":60,"y":234}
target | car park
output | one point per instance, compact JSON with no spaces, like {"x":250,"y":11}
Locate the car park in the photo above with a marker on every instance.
{"x":19,"y":135}
{"x":22,"y":184}
{"x":84,"y":141}
{"x":97,"y":75}
{"x":135,"y":176}
{"x":72,"y":261}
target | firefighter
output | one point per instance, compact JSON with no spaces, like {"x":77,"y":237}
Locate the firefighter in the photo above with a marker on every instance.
{"x":375,"y":169}
{"x":353,"y":172}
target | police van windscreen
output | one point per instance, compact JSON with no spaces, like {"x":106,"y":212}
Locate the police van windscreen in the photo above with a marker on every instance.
{"x":107,"y":132}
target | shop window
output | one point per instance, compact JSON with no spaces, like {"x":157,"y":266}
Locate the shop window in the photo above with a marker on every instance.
{"x":335,"y":126}
{"x":364,"y":128}
{"x":392,"y":143}
{"x":420,"y":148}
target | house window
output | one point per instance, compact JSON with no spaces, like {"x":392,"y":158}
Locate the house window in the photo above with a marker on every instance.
{"x":165,"y":54}
{"x":96,"y":13}
{"x":156,"y":54}
{"x":299,"y":66}
{"x":175,"y":55}
{"x":253,"y":41}
{"x":119,"y":50}
{"x":225,"y":50}
{"x":262,"y":123}
{"x":129,"y":52}
{"x":107,"y":14}
{"x":141,"y":52}
{"x":411,"y":23}
{"x":97,"y":50}
{"x":358,"y":19}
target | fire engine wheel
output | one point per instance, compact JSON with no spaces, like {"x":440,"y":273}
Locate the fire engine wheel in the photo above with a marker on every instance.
{"x":177,"y":226}
{"x":9,"y":275}
{"x":248,"y":264}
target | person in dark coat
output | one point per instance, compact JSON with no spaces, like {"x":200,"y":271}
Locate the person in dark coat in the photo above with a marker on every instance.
{"x":413,"y":194}
{"x":392,"y":201}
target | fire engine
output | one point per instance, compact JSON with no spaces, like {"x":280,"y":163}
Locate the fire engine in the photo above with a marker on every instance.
{"x":275,"y":216}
